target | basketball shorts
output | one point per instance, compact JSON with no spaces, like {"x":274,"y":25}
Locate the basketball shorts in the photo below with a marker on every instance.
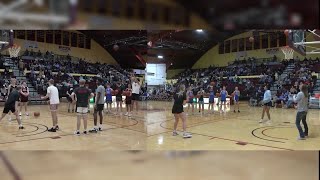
{"x":9,"y":108}
{"x":99,"y":107}
{"x":54,"y":107}
{"x":82,"y":110}
{"x":268,"y":104}
{"x":135,"y":97}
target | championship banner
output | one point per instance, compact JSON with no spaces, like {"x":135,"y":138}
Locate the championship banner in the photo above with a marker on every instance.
{"x":65,"y":49}
{"x":30,"y":44}
{"x":272,"y":51}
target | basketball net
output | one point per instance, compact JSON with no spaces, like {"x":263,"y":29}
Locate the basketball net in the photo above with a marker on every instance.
{"x":288,"y":52}
{"x":14,"y":51}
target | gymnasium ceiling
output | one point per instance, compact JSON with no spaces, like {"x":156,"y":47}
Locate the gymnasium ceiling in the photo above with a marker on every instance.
{"x":179,"y":48}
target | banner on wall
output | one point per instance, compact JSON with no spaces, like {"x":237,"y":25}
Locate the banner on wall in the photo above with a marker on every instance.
{"x":30,"y":44}
{"x":241,"y":54}
{"x":272,"y":51}
{"x":65,"y":49}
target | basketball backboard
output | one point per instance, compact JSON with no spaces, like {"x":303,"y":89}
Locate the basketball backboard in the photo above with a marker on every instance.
{"x":297,"y":40}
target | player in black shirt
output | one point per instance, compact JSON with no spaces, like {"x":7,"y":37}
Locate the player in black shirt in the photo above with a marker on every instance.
{"x":69,"y":98}
{"x":180,"y":99}
{"x":12,"y":105}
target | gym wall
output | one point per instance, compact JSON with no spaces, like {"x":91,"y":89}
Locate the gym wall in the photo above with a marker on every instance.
{"x":212,"y":57}
{"x":95,"y":54}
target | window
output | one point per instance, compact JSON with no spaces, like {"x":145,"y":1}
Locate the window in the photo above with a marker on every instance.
{"x":66,"y":38}
{"x":282,"y":40}
{"x":241,"y":44}
{"x":31,"y":35}
{"x":248,"y":44}
{"x":88,"y":43}
{"x":116,"y":7}
{"x":49,"y":36}
{"x":256,"y":42}
{"x":80,"y":40}
{"x":273,"y":40}
{"x":74,"y":39}
{"x":57,"y":37}
{"x":40,"y":36}
{"x":265,"y":41}
{"x":234,"y":45}
{"x":227,"y":46}
{"x":21,"y":34}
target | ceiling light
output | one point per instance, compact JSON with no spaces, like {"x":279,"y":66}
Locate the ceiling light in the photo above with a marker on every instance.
{"x":199,"y":30}
{"x":160,"y":57}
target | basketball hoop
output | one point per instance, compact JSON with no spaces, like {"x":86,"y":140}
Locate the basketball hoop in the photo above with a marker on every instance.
{"x":288,"y":52}
{"x":14,"y":51}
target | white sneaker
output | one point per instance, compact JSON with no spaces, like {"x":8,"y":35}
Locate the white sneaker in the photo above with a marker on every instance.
{"x":129,"y":115}
{"x":126,"y":114}
{"x":10,"y":119}
{"x":174,"y":133}
{"x":77,"y":133}
{"x":20,"y":114}
{"x":187,"y":135}
{"x":27,"y":114}
{"x":261,"y":121}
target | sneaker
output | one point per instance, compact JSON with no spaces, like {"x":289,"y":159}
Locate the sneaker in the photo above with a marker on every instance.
{"x":100,"y":128}
{"x":52,"y":130}
{"x":20,"y":114}
{"x":129,"y":115}
{"x":126,"y":114}
{"x":57,"y":128}
{"x":77,"y":133}
{"x":301,"y":138}
{"x":175,"y":134}
{"x":187,"y":135}
{"x":261,"y":121}
{"x":93,"y":130}
{"x":10,"y":119}
{"x":21,"y":127}
{"x":238,"y":111}
{"x":27,"y":114}
{"x":85,"y":132}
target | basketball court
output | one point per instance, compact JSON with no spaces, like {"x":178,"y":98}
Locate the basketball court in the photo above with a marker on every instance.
{"x":159,"y":165}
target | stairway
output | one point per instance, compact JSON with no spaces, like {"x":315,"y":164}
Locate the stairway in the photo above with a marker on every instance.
{"x":290,"y":68}
{"x":34,"y":97}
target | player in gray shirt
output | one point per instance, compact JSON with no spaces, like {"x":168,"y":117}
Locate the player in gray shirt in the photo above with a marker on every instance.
{"x":302,"y":109}
{"x":98,"y":106}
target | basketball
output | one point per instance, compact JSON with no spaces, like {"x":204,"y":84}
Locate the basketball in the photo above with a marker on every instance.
{"x":251,"y":39}
{"x":115,"y":47}
{"x":36,"y":114}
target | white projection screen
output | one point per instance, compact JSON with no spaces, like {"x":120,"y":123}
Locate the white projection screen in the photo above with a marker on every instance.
{"x":156,"y":74}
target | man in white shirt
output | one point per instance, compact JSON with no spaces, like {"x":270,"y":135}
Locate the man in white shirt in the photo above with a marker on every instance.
{"x":136,"y":85}
{"x":53,"y":95}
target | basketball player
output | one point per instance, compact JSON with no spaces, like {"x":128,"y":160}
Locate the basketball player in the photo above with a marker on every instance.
{"x":211,"y":99}
{"x":236,"y":95}
{"x":71,"y":102}
{"x":11,"y":87}
{"x":81,"y":95}
{"x":12,"y":105}
{"x":108,"y":98}
{"x":136,"y":85}
{"x":201,"y":100}
{"x":98,"y":107}
{"x":190,"y":99}
{"x":128,"y":101}
{"x":302,"y":109}
{"x":223,"y":95}
{"x":24,"y":94}
{"x":53,"y":95}
{"x":119,"y":99}
{"x":266,"y":103}
{"x":180,"y":99}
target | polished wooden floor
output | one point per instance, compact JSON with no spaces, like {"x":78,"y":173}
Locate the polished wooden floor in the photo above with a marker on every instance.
{"x":226,"y":165}
{"x":151,"y":129}
{"x":232,"y":131}
{"x":119,"y":132}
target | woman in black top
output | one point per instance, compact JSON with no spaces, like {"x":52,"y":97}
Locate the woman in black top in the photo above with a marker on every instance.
{"x":180,"y":99}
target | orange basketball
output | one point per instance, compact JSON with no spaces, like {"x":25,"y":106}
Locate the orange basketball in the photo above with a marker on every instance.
{"x":36,"y":114}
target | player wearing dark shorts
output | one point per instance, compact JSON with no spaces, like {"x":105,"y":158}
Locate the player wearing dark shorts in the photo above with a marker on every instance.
{"x":129,"y":100}
{"x":180,"y":99}
{"x":211,"y":99}
{"x":266,"y":103}
{"x":119,"y":99}
{"x":81,"y":95}
{"x":98,"y":107}
{"x":69,"y":98}
{"x":11,"y":105}
{"x":108,"y":98}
